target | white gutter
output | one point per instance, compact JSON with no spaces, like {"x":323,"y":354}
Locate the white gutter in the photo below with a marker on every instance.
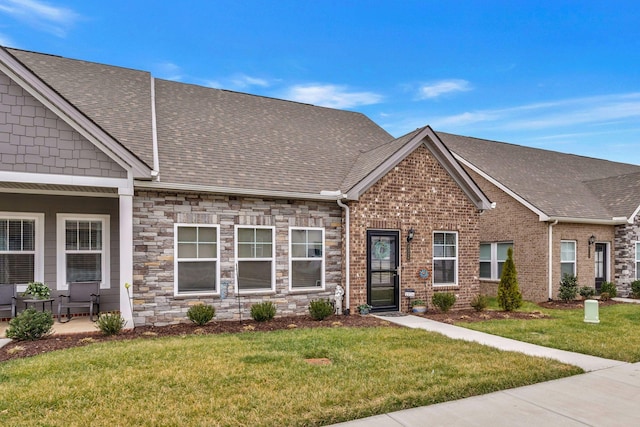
{"x":155,"y":173}
{"x":550,"y":266}
{"x":612,"y":221}
{"x":232,"y":190}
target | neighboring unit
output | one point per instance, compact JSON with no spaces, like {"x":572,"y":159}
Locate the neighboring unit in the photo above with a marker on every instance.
{"x":193,"y":194}
{"x":562,"y":213}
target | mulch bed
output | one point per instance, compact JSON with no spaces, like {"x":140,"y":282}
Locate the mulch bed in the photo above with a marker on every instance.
{"x":15,"y":350}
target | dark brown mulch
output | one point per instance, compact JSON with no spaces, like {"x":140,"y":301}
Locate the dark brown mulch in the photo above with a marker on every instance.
{"x":58,"y":342}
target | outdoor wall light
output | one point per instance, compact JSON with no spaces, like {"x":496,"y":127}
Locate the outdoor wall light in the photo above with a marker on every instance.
{"x":410,"y":235}
{"x":592,"y":240}
{"x":412,"y":232}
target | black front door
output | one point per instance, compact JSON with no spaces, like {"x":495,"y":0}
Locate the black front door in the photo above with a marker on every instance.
{"x":601,"y":264}
{"x":383,"y":256}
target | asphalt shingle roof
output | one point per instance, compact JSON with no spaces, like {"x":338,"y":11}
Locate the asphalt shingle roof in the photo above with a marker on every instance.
{"x":558,"y":184}
{"x":213,"y":137}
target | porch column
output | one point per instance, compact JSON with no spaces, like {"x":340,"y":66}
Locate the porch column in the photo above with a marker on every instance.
{"x":126,"y":255}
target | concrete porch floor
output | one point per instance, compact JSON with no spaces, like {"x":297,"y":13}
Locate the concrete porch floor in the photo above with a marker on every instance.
{"x":76,"y":325}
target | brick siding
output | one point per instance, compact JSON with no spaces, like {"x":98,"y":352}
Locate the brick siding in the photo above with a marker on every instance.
{"x":418,"y":193}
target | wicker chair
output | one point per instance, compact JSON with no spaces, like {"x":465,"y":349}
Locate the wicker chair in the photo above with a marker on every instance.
{"x":8,"y":298}
{"x":80,"y":295}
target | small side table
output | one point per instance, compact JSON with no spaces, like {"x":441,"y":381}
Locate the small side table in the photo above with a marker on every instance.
{"x":36,"y":301}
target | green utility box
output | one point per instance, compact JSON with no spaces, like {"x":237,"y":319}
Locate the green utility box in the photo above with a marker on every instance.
{"x":591,"y":311}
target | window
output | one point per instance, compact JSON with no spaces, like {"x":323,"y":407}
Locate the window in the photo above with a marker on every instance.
{"x":21,"y":248}
{"x":196,"y":259}
{"x":306,"y":259}
{"x":255,"y":258}
{"x":445,"y":258}
{"x":492,"y":259}
{"x":638,"y":261}
{"x":83,"y":249}
{"x":567,"y":258}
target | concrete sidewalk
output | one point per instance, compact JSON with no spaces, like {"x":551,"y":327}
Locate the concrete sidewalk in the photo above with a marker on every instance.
{"x":605,"y":396}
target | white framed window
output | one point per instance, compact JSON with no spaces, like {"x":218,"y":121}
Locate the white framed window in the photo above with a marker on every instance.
{"x":83,"y":249}
{"x":196,"y":259}
{"x":21,"y":248}
{"x":445,"y":258}
{"x":306,"y":258}
{"x":567,"y":257}
{"x":638,"y":261}
{"x":492,"y":259}
{"x":255,"y":258}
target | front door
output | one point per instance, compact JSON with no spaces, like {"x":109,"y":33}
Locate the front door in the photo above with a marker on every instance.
{"x":383,"y":257}
{"x":601,"y":264}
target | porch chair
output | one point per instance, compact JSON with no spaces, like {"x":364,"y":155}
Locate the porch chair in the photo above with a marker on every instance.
{"x":8,"y":298}
{"x":80,"y":295}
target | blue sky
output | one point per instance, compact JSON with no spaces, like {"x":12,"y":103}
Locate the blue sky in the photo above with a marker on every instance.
{"x":559,"y":75}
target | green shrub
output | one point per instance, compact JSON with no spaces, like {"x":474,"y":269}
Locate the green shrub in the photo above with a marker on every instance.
{"x":30,"y":325}
{"x":587,"y":292}
{"x":201,"y":314}
{"x":37,"y":290}
{"x":110,"y":323}
{"x":635,"y":289}
{"x":610,"y":288}
{"x":443,"y":300}
{"x":509,"y":296}
{"x":418,"y":302}
{"x":263,"y":311}
{"x":480,"y":302}
{"x":568,"y":288}
{"x":320,"y":309}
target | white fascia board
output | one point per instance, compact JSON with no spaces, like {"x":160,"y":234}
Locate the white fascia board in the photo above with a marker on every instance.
{"x":249,"y":192}
{"x":542,"y":216}
{"x":67,"y":112}
{"x":633,"y":216}
{"x":572,"y":220}
{"x":73,"y":180}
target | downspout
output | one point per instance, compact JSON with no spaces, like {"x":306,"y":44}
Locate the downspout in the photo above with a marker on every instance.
{"x":346,"y":253}
{"x":550,"y":266}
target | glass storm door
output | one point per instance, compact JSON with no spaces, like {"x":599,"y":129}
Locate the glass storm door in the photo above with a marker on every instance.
{"x":382,"y":270}
{"x":601,"y":264}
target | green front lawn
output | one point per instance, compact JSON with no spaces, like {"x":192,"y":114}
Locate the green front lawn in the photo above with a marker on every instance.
{"x":617,"y":336}
{"x":257,"y":379}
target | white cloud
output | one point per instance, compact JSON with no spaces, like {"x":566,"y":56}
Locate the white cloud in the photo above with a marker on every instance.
{"x":169,"y":71}
{"x":332,"y":96}
{"x":41,"y":15}
{"x":6,"y":41}
{"x":436,"y":89}
{"x":244,"y":81}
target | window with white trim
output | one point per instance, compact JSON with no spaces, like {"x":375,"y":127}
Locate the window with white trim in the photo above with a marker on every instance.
{"x":492,"y":259}
{"x":196,"y":255}
{"x":83,"y":249}
{"x":255,"y":256}
{"x":306,"y":258}
{"x":21,"y":248}
{"x":638,"y":261}
{"x":445,"y":258}
{"x":567,"y":257}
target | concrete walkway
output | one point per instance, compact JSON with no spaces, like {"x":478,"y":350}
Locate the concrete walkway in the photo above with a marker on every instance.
{"x":607,"y":395}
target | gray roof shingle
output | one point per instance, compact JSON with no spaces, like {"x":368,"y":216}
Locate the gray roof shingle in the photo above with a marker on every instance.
{"x":558,"y":184}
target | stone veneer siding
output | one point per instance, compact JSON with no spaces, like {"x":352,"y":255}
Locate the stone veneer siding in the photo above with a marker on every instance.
{"x":33,"y":139}
{"x":417,"y":193}
{"x":625,"y":271}
{"x":155,"y":214}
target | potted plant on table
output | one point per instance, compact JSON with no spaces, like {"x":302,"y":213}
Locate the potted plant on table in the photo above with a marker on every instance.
{"x":418,"y":306}
{"x":37,"y":290}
